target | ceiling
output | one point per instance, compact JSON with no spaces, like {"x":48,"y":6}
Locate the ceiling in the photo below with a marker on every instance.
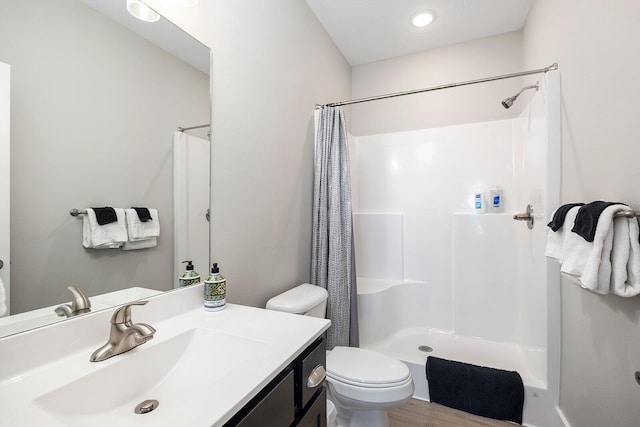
{"x":367,"y":31}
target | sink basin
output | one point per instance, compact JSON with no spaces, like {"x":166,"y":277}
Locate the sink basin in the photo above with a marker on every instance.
{"x":177,"y":370}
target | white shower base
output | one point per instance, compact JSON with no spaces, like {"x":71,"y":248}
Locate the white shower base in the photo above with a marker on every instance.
{"x":404,"y":345}
{"x":401,"y":341}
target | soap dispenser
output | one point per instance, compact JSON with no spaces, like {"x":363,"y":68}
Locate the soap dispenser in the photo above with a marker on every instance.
{"x":215,"y":290}
{"x":190,"y":276}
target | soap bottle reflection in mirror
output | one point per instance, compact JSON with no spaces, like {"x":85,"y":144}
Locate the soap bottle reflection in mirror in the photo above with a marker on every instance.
{"x":190,"y":276}
{"x":215,"y":290}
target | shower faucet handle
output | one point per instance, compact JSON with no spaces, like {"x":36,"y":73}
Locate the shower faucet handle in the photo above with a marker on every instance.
{"x":527,"y":216}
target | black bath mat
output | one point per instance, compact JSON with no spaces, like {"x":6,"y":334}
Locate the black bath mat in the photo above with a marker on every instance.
{"x":488,"y":392}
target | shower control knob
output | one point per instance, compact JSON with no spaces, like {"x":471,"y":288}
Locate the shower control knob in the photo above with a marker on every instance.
{"x":1,"y":264}
{"x":527,"y":216}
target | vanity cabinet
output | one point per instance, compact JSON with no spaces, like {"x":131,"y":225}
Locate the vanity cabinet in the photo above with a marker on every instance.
{"x":296,"y":397}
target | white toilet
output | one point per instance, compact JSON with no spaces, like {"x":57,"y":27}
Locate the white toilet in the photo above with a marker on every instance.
{"x":362,"y":384}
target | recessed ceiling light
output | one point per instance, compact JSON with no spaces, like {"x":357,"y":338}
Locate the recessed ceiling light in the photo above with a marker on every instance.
{"x":142,"y":11}
{"x":422,"y":19}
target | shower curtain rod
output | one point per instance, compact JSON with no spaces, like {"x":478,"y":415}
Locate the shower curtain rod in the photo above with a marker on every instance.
{"x":181,"y":129}
{"x":553,"y":66}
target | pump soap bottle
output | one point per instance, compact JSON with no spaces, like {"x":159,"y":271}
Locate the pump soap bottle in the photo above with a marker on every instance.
{"x":189,"y":277}
{"x":215,"y":290}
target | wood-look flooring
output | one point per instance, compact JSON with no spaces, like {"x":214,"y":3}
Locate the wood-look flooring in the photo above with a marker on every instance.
{"x":418,"y":413}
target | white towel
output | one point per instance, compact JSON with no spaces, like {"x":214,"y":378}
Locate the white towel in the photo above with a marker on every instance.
{"x":3,"y":299}
{"x":556,"y":239}
{"x":140,"y":244}
{"x":625,"y":257}
{"x":589,"y":263}
{"x":107,"y":236}
{"x":139,"y":230}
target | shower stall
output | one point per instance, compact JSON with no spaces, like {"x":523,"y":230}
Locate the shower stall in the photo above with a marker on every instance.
{"x":435,"y":277}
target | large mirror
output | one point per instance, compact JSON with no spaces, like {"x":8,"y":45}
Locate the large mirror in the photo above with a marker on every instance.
{"x":96,"y":99}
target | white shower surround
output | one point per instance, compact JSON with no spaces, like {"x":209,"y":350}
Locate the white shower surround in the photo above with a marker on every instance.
{"x":475,"y":287}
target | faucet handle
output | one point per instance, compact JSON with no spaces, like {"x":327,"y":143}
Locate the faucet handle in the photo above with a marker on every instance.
{"x":123,"y":314}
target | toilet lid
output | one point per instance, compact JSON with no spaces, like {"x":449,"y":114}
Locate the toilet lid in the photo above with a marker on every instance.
{"x":363,"y":367}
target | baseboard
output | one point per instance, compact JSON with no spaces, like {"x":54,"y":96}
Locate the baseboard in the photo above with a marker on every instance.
{"x":562,"y":420}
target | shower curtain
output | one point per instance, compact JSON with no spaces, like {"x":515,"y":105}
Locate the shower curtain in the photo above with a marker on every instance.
{"x":332,"y":255}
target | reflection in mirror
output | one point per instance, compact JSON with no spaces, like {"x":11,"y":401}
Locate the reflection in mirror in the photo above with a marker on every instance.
{"x":94,"y":109}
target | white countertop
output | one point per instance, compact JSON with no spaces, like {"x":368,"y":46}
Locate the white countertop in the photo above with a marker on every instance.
{"x":39,"y":367}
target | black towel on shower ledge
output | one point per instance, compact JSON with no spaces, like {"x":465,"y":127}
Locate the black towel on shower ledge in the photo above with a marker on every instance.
{"x":488,"y":392}
{"x":105,"y":215}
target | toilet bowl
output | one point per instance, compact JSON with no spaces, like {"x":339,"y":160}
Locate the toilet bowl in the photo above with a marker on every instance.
{"x":361,"y":383}
{"x":331,"y":414}
{"x":364,"y":384}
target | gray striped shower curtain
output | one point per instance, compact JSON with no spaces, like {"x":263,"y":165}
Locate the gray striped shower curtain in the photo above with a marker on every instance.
{"x":333,"y":260}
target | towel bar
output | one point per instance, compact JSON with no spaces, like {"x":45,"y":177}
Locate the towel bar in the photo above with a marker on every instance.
{"x":627,"y":214}
{"x":76,"y":212}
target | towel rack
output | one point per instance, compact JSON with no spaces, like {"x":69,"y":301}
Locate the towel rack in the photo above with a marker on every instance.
{"x":627,"y":214}
{"x":76,"y":212}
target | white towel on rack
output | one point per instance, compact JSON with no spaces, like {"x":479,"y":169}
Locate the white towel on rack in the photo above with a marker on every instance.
{"x":107,"y":236}
{"x":589,"y":263}
{"x":625,"y":257}
{"x":139,"y":230}
{"x":556,"y":239}
{"x":3,"y":299}
{"x":140,"y":244}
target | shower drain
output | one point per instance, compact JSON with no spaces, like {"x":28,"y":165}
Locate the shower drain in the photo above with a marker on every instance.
{"x":425,"y":348}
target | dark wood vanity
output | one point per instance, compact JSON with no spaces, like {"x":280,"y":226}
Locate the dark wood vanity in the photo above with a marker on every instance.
{"x":288,"y":400}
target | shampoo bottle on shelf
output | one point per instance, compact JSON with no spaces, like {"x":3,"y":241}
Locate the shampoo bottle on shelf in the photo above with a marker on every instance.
{"x":478,"y":201}
{"x":215,"y":290}
{"x":497,"y":202}
{"x":190,"y":276}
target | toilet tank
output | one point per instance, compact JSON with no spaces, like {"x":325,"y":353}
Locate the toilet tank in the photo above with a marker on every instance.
{"x":306,"y":299}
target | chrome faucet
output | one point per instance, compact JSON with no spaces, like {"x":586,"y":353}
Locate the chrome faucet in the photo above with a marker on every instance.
{"x":79,"y":304}
{"x":124,"y":334}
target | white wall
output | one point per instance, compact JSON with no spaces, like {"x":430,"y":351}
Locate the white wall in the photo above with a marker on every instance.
{"x":5,"y":190}
{"x":476,"y":59}
{"x":596,"y":46}
{"x":272,"y":62}
{"x":93,"y":109}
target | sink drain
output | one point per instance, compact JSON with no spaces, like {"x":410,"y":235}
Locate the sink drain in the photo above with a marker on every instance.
{"x":146,"y":406}
{"x":425,"y":348}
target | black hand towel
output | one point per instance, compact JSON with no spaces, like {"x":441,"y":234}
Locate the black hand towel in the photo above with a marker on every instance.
{"x":587,"y":219}
{"x":105,"y":215}
{"x":143,"y":214}
{"x":479,"y":390}
{"x":560,"y":214}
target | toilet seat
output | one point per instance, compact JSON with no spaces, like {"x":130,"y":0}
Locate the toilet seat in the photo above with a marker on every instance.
{"x":364,"y":368}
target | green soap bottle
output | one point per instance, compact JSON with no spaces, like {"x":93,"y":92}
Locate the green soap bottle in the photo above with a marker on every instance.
{"x":189,"y":277}
{"x":215,"y":290}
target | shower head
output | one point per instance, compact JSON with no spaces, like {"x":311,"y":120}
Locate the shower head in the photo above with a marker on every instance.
{"x":508,"y":102}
